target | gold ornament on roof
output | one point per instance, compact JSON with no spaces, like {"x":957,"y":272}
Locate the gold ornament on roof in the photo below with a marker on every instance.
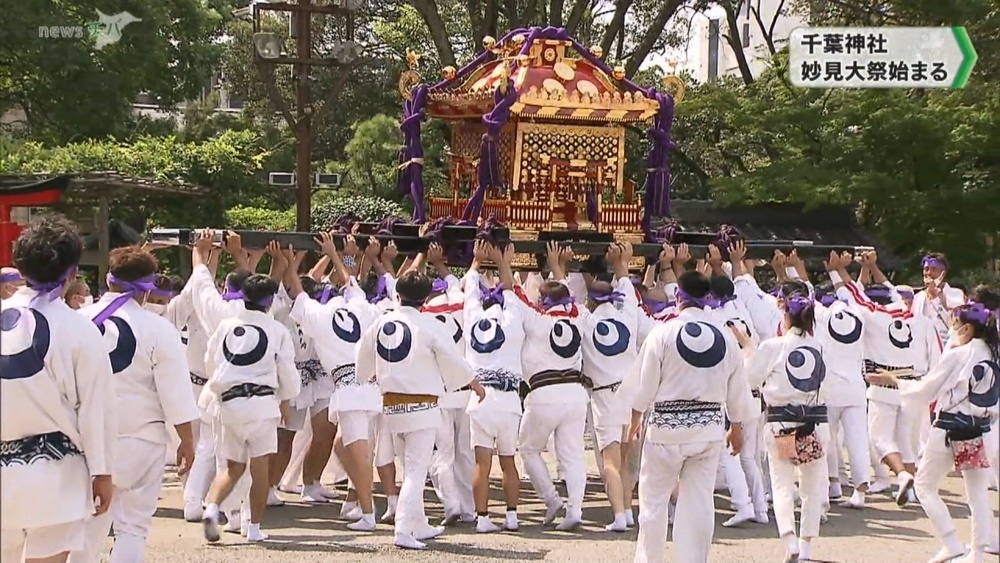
{"x":409,"y":78}
{"x":674,"y":82}
{"x":448,"y":72}
{"x":518,"y":40}
{"x":523,"y":60}
{"x":619,"y":72}
{"x":597,"y":51}
{"x":489,"y":42}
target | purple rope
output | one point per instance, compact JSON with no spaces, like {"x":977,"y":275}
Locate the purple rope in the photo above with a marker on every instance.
{"x":611,"y":297}
{"x":726,"y":236}
{"x":345,"y":223}
{"x":410,"y":177}
{"x":706,"y":302}
{"x":487,"y":295}
{"x":488,"y":170}
{"x":12,"y":277}
{"x":656,"y":186}
{"x":548,"y":302}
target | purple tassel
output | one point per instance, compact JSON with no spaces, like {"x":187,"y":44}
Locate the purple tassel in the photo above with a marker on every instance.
{"x":410,"y":177}
{"x":458,"y":254}
{"x":487,"y":228}
{"x":344,"y":224}
{"x":488,"y":171}
{"x":726,"y":236}
{"x":592,"y":205}
{"x":656,"y":188}
{"x":386,"y":225}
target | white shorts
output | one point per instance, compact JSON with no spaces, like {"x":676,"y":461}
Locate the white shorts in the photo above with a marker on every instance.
{"x":243,"y":442}
{"x":318,"y":407}
{"x":494,"y":430}
{"x":356,"y":425}
{"x":385,"y":443}
{"x":606,"y":416}
{"x":39,"y":543}
{"x":296,"y":420}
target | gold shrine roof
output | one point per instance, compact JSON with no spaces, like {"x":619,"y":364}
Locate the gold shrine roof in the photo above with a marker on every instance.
{"x":553,"y":82}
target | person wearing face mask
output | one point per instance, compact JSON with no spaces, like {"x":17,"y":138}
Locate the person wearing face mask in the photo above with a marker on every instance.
{"x":965,"y":387}
{"x":937,"y":299}
{"x":78,"y":295}
{"x":10,"y":280}
{"x":147,"y":359}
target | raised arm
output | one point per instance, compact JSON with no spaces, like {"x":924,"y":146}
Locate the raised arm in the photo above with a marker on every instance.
{"x":234,"y":247}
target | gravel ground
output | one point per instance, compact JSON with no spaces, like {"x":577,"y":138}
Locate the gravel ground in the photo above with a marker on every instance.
{"x":882,"y":532}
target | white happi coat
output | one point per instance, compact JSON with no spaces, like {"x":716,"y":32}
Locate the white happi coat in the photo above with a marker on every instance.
{"x":690,"y":358}
{"x":939,"y":314}
{"x":966,"y":382}
{"x":336,"y":328}
{"x":447,"y":309}
{"x":53,"y":379}
{"x":412,"y":353}
{"x":789,"y":370}
{"x":148,"y":362}
{"x":840,"y":331}
{"x":762,"y":308}
{"x":889,"y":339}
{"x":553,"y":341}
{"x":306,"y":356}
{"x":493,"y":344}
{"x":252,"y":348}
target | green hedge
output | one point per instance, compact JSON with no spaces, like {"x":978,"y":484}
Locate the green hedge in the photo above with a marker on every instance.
{"x":256,"y":218}
{"x":368,"y":208}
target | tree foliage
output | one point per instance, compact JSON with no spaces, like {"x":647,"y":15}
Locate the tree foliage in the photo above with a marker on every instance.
{"x":68,"y":89}
{"x":258,"y":218}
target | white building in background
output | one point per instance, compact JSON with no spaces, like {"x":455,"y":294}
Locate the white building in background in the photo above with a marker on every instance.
{"x":708,"y":56}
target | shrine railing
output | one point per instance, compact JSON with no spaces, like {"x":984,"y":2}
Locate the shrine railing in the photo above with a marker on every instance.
{"x":537,"y":215}
{"x":621,"y":217}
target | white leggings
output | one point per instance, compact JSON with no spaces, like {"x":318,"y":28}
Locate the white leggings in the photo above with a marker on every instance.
{"x":935,"y":465}
{"x":853,"y":421}
{"x":812,"y":486}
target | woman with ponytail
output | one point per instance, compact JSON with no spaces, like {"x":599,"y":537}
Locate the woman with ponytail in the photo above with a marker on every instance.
{"x":789,"y":371}
{"x":965,"y":386}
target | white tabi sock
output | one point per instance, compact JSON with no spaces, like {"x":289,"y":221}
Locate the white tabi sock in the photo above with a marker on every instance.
{"x":629,"y":518}
{"x":510,"y":521}
{"x":254,"y":534}
{"x":211,"y":511}
{"x":619,"y":525}
{"x":804,"y":549}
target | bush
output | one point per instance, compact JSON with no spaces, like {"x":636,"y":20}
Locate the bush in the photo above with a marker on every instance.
{"x":369,"y":208}
{"x":260,"y":219}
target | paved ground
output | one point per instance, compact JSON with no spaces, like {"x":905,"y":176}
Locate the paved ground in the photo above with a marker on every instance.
{"x":880,"y":533}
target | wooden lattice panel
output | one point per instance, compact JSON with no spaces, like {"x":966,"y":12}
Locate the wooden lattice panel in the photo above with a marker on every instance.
{"x":467,"y":137}
{"x":536,"y":141}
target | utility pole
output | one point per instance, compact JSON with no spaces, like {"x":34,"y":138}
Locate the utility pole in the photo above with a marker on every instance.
{"x":340,"y":56}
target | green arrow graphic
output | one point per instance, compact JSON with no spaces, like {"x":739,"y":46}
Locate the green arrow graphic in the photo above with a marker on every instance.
{"x":969,"y":57}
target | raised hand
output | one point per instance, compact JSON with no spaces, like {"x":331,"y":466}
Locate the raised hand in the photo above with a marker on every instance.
{"x":435,"y":254}
{"x":390,"y":252}
{"x":667,"y":255}
{"x":737,"y":251}
{"x":325,"y":242}
{"x":234,"y":243}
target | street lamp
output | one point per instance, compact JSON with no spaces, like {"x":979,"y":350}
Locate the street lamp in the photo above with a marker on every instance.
{"x":305,"y":118}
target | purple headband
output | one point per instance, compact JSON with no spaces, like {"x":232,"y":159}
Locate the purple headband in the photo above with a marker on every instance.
{"x":164,"y":293}
{"x":723,"y":300}
{"x":381,"y":292}
{"x":878,"y":291}
{"x":12,"y":277}
{"x":706,"y":302}
{"x":932,"y":262}
{"x":905,"y":294}
{"x":796,"y":302}
{"x":439,"y":286}
{"x":264,"y":302}
{"x":612,"y":297}
{"x":548,"y":302}
{"x":231,"y":293}
{"x":324,"y":294}
{"x":495,"y":295}
{"x":828,"y":299}
{"x":975,"y":312}
{"x":51,"y":289}
{"x":657,"y":307}
{"x":128,"y":289}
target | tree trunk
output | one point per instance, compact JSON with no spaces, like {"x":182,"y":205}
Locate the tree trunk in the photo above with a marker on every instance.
{"x":734,"y":39}
{"x":650,"y":36}
{"x":617,"y":26}
{"x":432,"y":18}
{"x":555,"y":13}
{"x":575,"y":15}
{"x":476,"y":14}
{"x":768,"y":33}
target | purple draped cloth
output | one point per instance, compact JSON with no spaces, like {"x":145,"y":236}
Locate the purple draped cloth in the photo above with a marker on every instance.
{"x":656,"y":188}
{"x":724,"y":238}
{"x":488,"y":171}
{"x":410,"y":179}
{"x":457,"y":254}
